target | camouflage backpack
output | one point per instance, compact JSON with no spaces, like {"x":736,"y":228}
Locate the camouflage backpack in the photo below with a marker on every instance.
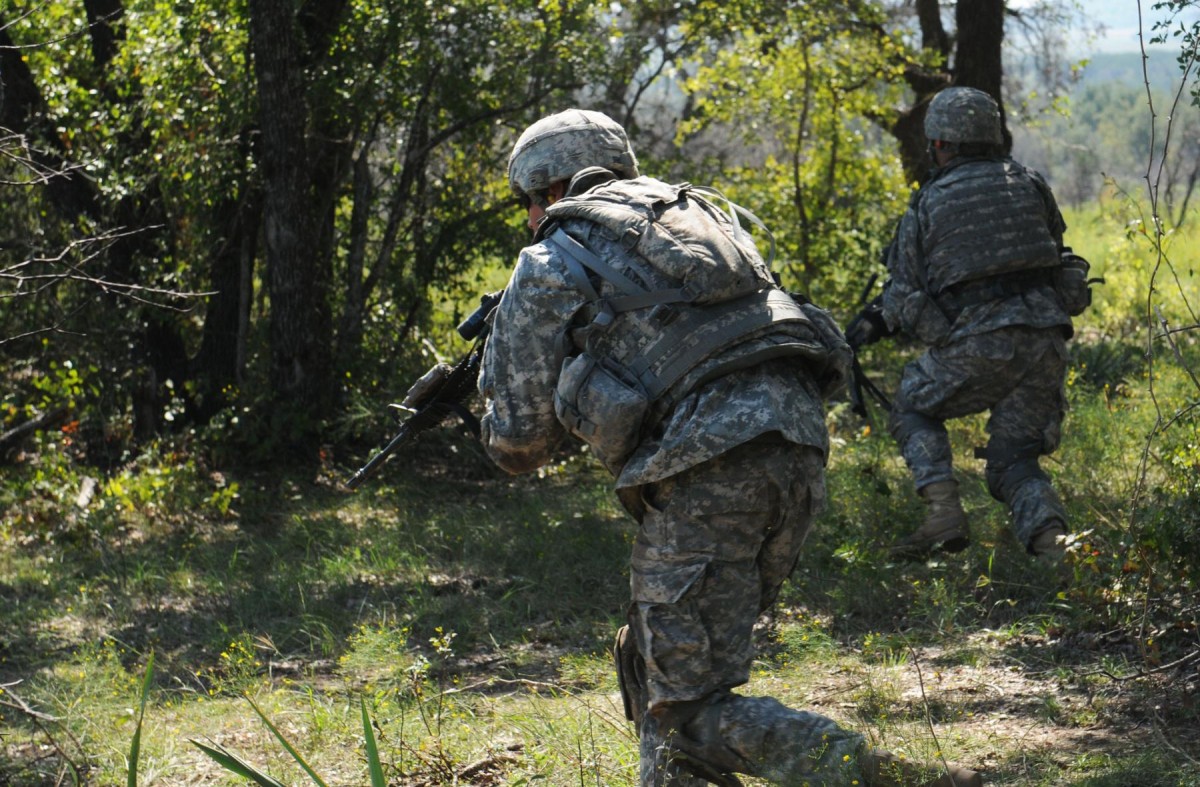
{"x":691,"y":299}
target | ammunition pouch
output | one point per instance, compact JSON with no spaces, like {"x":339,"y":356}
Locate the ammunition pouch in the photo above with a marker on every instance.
{"x":602,"y":404}
{"x":631,"y":676}
{"x":1072,"y":284}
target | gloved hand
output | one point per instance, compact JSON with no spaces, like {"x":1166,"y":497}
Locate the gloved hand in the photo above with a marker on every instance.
{"x":868,"y":326}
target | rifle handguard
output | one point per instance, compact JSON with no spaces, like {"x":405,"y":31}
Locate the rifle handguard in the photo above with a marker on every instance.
{"x":868,"y":326}
{"x":427,"y":386}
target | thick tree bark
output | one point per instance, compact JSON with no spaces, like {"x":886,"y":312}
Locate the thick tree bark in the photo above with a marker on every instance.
{"x":300,"y":311}
{"x":978,"y":58}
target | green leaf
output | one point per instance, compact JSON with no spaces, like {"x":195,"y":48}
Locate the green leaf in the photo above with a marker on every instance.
{"x":135,"y":746}
{"x":234,"y":764}
{"x":377,"y":779}
{"x":290,"y":749}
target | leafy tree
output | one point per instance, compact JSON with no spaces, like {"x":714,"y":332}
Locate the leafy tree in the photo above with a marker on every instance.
{"x":798,"y":93}
{"x":354,"y":149}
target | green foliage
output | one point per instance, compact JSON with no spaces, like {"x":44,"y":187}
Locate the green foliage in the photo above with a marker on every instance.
{"x":1182,"y":28}
{"x":466,"y":614}
{"x":800,"y":97}
{"x":135,"y":744}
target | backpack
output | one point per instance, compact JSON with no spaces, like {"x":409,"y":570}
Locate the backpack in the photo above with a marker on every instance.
{"x":693,"y":300}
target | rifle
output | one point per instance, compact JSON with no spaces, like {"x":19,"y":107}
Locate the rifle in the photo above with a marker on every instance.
{"x":867,"y":327}
{"x":448,"y":389}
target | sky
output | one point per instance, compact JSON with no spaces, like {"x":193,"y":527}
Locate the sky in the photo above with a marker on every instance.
{"x":1120,"y":18}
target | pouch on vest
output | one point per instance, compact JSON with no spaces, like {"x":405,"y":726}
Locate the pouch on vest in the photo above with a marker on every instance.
{"x":832,"y":369}
{"x":600,"y":404}
{"x":922,"y":317}
{"x":1072,"y":284}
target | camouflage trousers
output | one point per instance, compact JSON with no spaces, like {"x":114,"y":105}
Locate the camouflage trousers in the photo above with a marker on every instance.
{"x":1016,"y":374}
{"x":715,"y":545}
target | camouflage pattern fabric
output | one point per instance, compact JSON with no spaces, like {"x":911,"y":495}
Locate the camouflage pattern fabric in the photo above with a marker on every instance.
{"x":559,"y":145}
{"x":968,"y":244}
{"x":1017,"y":374}
{"x":1006,"y":355}
{"x":725,"y":485}
{"x":963,"y":114}
{"x":524,"y":355}
{"x":714,"y":547}
{"x":996,"y":225}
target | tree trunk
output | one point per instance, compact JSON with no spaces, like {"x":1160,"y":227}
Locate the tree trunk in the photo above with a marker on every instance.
{"x":978,"y":60}
{"x":300,"y":311}
{"x":978,"y":63}
{"x":222,"y":356}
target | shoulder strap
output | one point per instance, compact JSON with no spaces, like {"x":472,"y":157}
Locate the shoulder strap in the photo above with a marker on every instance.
{"x":635,"y":296}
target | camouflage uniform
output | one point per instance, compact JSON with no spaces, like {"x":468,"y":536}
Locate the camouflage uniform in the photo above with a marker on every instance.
{"x":725,"y":485}
{"x":1000,"y":349}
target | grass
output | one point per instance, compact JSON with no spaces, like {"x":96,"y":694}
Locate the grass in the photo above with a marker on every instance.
{"x":424,"y":596}
{"x":469,"y":613}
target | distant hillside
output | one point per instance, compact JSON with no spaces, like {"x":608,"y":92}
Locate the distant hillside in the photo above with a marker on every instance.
{"x":1126,"y":68}
{"x":1106,"y":132}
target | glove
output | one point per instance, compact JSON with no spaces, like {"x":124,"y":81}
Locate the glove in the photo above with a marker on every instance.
{"x":868,"y":326}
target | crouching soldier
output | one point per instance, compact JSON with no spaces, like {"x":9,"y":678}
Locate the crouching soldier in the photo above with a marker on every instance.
{"x":644,"y":322}
{"x":978,"y":273}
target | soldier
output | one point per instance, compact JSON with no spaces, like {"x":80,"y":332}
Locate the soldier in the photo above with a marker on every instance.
{"x":974,"y":272}
{"x":643,"y":321}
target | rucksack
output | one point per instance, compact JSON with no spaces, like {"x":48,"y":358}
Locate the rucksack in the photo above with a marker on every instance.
{"x":694,"y":300}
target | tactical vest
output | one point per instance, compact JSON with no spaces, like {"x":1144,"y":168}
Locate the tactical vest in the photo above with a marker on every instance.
{"x":986,"y":219}
{"x":687,"y":300}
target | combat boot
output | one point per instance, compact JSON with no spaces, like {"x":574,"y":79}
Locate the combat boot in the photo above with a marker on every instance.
{"x":945,"y":527}
{"x":884,"y":769}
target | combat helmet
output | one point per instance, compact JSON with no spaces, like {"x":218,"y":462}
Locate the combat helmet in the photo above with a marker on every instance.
{"x":559,"y":145}
{"x":963,"y":114}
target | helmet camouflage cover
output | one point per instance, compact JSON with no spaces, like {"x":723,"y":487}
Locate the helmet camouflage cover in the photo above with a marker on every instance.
{"x":963,"y":114}
{"x":558,"y":146}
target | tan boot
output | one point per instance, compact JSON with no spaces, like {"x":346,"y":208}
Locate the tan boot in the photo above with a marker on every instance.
{"x":945,"y":528}
{"x":884,"y":769}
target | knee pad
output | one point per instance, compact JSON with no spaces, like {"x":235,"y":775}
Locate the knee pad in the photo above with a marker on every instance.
{"x":1009,"y":467}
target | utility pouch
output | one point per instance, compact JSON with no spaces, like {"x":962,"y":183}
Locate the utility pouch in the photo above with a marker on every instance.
{"x":922,"y":317}
{"x":834,"y":370}
{"x":601,"y":404}
{"x":1072,"y":284}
